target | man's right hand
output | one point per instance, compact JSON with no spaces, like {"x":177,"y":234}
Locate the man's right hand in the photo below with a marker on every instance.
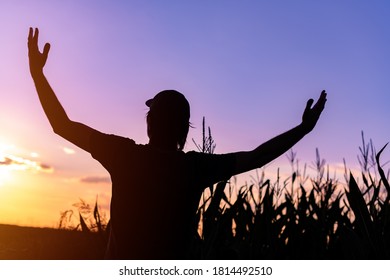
{"x":312,"y":114}
{"x":37,"y":59}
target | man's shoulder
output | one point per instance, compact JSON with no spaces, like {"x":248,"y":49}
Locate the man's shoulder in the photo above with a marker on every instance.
{"x":111,"y":138}
{"x":105,"y":145}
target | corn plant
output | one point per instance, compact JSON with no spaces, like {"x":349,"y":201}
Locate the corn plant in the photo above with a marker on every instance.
{"x":298,"y":219}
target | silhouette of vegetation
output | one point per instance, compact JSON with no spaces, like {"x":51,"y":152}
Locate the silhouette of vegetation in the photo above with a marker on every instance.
{"x":89,"y":220}
{"x":298,"y":217}
{"x":294,"y":219}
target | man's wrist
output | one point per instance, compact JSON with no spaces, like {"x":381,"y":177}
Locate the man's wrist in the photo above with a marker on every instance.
{"x":36,"y":74}
{"x":304,"y":128}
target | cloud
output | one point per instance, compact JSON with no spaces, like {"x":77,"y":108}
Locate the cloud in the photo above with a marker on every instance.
{"x":19,"y":163}
{"x":95,"y":179}
{"x":45,"y":167}
{"x":6,"y":161}
{"x":34,"y":154}
{"x":68,"y":151}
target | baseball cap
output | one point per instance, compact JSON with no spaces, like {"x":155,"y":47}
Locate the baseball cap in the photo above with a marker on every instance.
{"x":169,"y":101}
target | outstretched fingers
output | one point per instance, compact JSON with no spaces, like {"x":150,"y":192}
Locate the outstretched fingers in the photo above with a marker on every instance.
{"x":321,"y":101}
{"x":30,"y":34}
{"x":46,"y":49}
{"x":33,"y":38}
{"x":37,"y":58}
{"x":309,"y":104}
{"x":319,"y":104}
{"x":30,"y":37}
{"x":323,"y":96}
{"x":33,"y":34}
{"x":312,"y":113}
{"x":45,"y":53}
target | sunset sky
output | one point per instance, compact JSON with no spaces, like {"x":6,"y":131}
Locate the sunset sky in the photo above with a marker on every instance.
{"x":247,"y":66}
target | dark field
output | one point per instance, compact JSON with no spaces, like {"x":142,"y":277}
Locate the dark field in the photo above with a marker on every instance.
{"x":28,"y":243}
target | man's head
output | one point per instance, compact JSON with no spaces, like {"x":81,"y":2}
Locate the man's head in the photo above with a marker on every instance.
{"x":168,"y":119}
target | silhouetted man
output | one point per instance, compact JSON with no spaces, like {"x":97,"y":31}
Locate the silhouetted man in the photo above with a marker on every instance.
{"x":156,"y":187}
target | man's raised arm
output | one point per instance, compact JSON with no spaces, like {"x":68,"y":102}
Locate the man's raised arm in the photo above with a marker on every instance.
{"x":270,"y":150}
{"x":77,"y":133}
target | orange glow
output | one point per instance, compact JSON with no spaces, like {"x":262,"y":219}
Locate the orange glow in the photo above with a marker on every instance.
{"x":33,"y":193}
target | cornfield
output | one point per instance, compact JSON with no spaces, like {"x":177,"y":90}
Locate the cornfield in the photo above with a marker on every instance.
{"x":299,"y":217}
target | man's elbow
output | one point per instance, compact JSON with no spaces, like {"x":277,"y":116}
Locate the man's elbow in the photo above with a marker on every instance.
{"x":57,"y":130}
{"x":61,"y":128}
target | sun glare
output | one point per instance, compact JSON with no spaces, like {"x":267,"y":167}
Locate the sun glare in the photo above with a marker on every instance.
{"x":5,"y":147}
{"x":5,"y":175}
{"x":4,"y":170}
{"x":9,"y":163}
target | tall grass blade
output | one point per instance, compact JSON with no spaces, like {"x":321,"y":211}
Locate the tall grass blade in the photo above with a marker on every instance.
{"x":362,"y":216}
{"x":96,"y":215}
{"x":83,"y":224}
{"x":382,"y":173}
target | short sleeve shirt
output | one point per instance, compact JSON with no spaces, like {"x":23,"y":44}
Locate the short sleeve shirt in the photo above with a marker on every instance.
{"x":155,"y":195}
